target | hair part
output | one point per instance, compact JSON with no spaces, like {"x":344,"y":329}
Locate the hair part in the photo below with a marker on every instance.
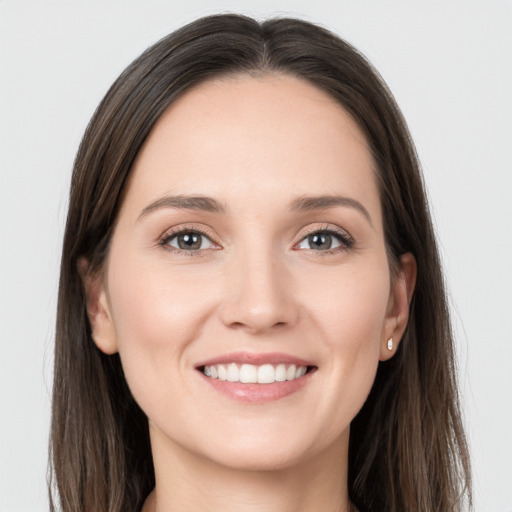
{"x":407,"y":444}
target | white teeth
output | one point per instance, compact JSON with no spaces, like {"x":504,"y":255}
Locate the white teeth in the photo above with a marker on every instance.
{"x":249,"y":373}
{"x":281,"y":373}
{"x":266,"y":374}
{"x":233,"y":373}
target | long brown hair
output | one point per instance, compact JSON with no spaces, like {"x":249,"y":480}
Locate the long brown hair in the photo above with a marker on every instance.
{"x":407,"y":446}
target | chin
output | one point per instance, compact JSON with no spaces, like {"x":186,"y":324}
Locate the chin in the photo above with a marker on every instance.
{"x":270,"y":453}
{"x":260,"y":460}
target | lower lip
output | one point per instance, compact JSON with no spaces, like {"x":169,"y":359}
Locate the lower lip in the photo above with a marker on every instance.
{"x":258,"y":393}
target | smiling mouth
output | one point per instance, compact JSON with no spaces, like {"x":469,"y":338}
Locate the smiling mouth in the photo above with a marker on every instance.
{"x":255,"y":374}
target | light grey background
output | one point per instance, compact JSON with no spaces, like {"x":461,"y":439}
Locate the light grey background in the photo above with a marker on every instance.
{"x":449,"y":66}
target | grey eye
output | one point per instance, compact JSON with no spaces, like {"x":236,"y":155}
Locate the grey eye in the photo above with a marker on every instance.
{"x":323,"y":241}
{"x":190,"y":241}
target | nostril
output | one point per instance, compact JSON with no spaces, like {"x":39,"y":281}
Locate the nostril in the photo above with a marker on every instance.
{"x":242,"y":325}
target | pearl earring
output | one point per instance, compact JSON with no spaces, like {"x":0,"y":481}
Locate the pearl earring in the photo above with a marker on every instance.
{"x":390,"y":344}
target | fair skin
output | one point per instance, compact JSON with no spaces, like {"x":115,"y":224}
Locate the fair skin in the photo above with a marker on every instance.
{"x":257,"y":271}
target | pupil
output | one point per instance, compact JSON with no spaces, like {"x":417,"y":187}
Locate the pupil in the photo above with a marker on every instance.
{"x":320,"y":241}
{"x":189,"y":241}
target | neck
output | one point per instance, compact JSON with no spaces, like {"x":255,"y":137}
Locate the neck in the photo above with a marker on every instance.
{"x":186,"y":482}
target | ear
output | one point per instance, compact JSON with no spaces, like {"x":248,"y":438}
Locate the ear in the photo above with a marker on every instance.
{"x":98,"y":310}
{"x":397,"y":315}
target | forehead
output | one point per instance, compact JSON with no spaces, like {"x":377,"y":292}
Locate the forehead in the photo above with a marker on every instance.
{"x":255,"y":135}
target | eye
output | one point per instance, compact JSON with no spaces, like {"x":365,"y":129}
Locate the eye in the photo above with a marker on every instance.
{"x":325,"y":240}
{"x":188,"y":241}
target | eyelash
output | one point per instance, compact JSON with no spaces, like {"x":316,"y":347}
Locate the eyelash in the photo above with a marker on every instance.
{"x":346,"y":241}
{"x":168,"y":236}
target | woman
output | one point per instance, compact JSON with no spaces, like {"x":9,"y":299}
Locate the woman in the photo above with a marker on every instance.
{"x":251,"y":309}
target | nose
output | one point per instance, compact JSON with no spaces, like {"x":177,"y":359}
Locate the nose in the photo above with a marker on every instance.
{"x":259,"y":295}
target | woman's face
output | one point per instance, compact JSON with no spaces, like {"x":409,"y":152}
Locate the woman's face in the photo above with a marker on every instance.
{"x":250,"y":247}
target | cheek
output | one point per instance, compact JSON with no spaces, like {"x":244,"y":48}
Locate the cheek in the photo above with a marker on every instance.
{"x":350,"y":319}
{"x":156,"y":315}
{"x":350,"y":306}
{"x":153,"y":305}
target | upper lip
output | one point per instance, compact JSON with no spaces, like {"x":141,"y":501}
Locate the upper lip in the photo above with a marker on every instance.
{"x":256,"y":359}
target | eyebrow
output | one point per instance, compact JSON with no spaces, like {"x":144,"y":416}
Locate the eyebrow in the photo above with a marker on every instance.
{"x":206,"y":204}
{"x":306,"y":203}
